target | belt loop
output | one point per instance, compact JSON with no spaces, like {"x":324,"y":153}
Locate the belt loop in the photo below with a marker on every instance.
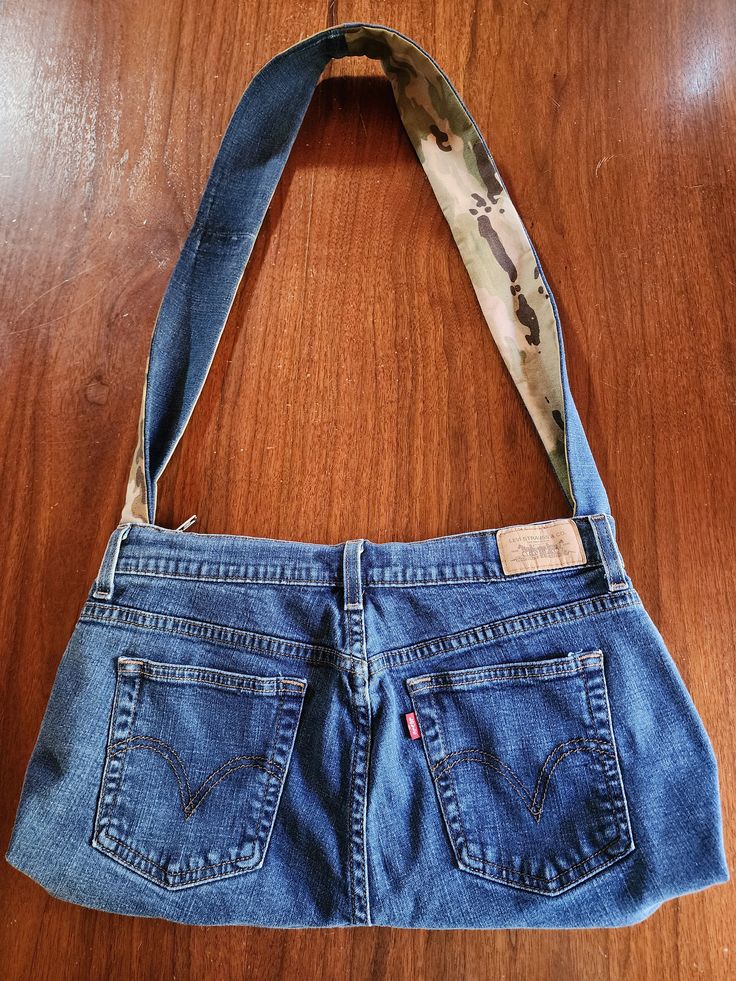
{"x":105,"y":581}
{"x":602,"y":525}
{"x":351,"y":575}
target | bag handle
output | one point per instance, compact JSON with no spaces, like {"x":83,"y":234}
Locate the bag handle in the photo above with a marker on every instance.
{"x":502,"y":263}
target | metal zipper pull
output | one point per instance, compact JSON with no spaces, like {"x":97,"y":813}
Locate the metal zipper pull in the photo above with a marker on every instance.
{"x":187,"y":524}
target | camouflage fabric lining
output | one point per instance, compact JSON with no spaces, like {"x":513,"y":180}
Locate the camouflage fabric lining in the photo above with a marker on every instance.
{"x":489,"y":233}
{"x":135,"y":509}
{"x":486,"y":227}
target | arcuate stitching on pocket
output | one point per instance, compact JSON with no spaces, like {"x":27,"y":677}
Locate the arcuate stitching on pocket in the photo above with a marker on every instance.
{"x":480,"y":859}
{"x":543,"y":779}
{"x":190,"y":802}
{"x":601,"y":749}
{"x":492,"y":761}
{"x":131,"y":672}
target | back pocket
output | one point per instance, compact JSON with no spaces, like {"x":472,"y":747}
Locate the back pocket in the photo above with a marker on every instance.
{"x":195,"y":767}
{"x":524,"y":763}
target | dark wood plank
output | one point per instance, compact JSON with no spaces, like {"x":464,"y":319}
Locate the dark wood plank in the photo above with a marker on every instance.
{"x":356,"y":390}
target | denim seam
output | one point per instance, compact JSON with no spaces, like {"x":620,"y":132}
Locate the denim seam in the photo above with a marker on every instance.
{"x":269,"y":782}
{"x":351,"y":796}
{"x":347,"y":626}
{"x":195,"y":577}
{"x":368,"y":754}
{"x":370,"y":581}
{"x":618,"y":799}
{"x":502,"y":673}
{"x":539,"y":878}
{"x":575,"y":608}
{"x":106,"y":767}
{"x":486,"y":633}
{"x":491,"y":624}
{"x":455,"y":798}
{"x":133,"y":713}
{"x":131,"y":616}
{"x":613,"y":795}
{"x":500,"y":629}
{"x":173,"y":631}
{"x":594,"y":721}
{"x":108,"y":756}
{"x":509,"y":677}
{"x":101,"y":805}
{"x":173,"y":875}
{"x":427,"y":740}
{"x":489,"y":532}
{"x":174,"y":679}
{"x":350,"y":615}
{"x":511,"y":577}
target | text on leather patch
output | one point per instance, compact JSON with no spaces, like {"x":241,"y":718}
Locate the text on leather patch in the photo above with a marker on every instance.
{"x":531,"y":548}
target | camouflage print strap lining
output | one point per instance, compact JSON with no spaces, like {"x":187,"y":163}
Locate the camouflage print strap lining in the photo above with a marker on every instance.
{"x":135,"y":509}
{"x":500,"y":258}
{"x":503,"y":269}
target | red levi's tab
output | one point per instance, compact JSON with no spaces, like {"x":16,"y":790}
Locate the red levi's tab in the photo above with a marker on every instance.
{"x":412,"y":725}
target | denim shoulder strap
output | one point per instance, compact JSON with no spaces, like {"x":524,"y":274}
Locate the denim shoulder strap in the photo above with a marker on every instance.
{"x":503,"y":266}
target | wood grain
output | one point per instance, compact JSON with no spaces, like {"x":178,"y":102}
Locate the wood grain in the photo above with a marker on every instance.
{"x":356,"y":390}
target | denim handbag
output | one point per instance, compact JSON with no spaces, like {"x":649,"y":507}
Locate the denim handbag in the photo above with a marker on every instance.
{"x":480,"y":730}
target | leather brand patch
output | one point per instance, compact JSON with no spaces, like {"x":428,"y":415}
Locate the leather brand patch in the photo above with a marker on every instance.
{"x":532,"y":548}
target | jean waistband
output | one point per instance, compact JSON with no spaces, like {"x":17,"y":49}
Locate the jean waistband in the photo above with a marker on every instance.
{"x":464,"y":557}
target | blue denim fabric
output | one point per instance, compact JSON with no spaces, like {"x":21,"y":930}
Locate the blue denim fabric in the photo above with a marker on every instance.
{"x":226,"y":741}
{"x":255,"y":731}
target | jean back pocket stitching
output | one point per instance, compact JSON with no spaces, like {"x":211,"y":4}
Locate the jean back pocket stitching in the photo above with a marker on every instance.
{"x":271,"y":766}
{"x":188,"y":799}
{"x":509,"y":774}
{"x":175,"y":875}
{"x":136,"y":686}
{"x":599,"y":724}
{"x":603,"y":751}
{"x":540,"y":878}
{"x":270,"y":783}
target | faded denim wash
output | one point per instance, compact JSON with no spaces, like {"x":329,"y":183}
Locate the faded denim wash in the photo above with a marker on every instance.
{"x":481,"y":730}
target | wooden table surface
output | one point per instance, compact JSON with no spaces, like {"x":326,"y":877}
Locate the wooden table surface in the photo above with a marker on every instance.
{"x":357,"y":391}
